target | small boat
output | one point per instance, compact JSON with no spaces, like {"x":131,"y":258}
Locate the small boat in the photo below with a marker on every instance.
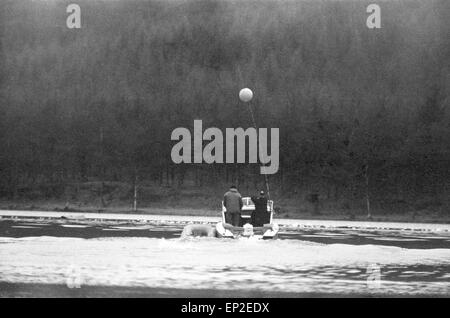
{"x":267,"y":231}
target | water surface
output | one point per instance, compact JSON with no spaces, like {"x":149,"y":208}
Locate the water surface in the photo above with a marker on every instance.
{"x":303,"y":261}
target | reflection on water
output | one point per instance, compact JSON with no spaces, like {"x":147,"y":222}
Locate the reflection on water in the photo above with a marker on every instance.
{"x":323,"y":262}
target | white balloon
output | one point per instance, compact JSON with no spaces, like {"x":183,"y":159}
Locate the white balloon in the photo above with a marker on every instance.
{"x":246,"y":95}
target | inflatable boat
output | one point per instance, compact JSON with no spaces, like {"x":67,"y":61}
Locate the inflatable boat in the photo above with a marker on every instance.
{"x":225,"y":230}
{"x":267,"y":231}
{"x":246,"y":229}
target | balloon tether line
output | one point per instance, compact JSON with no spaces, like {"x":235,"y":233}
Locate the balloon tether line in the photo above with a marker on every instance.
{"x":266,"y":179}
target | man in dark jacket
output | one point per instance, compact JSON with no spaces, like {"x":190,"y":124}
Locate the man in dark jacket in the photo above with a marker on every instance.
{"x":260,"y":216}
{"x":232,"y":201}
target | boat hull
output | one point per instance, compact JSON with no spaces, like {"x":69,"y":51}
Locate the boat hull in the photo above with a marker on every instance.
{"x":268,"y":231}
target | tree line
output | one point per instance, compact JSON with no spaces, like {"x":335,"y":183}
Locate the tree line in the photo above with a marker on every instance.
{"x":363,"y":113}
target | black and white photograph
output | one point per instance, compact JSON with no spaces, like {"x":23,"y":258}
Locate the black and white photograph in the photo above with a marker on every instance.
{"x":239,"y":151}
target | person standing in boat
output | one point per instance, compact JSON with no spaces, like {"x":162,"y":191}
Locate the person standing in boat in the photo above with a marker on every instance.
{"x":232,"y":201}
{"x":260,"y":216}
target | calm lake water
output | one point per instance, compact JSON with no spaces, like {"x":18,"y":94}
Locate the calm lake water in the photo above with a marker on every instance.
{"x":301,"y":261}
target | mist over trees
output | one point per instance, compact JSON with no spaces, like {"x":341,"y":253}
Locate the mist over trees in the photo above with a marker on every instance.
{"x":361,"y":111}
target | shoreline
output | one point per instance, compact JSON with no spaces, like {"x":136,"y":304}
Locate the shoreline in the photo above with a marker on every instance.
{"x":208,"y":211}
{"x":185,"y":219}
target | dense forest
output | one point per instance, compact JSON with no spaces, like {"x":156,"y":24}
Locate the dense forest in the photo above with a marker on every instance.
{"x":363,"y":113}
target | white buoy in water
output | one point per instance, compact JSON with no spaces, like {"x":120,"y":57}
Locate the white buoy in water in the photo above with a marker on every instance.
{"x":246,"y":95}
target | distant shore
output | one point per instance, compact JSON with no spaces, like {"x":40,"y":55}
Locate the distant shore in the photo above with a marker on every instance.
{"x":96,"y":217}
{"x":192,"y":211}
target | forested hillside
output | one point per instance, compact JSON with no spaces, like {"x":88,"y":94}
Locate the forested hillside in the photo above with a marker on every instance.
{"x":363,"y":113}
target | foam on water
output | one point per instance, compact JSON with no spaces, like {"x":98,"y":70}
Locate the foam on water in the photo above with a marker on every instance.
{"x":280,"y":265}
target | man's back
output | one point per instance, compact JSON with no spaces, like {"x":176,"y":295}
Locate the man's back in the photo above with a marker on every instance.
{"x":232,"y":201}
